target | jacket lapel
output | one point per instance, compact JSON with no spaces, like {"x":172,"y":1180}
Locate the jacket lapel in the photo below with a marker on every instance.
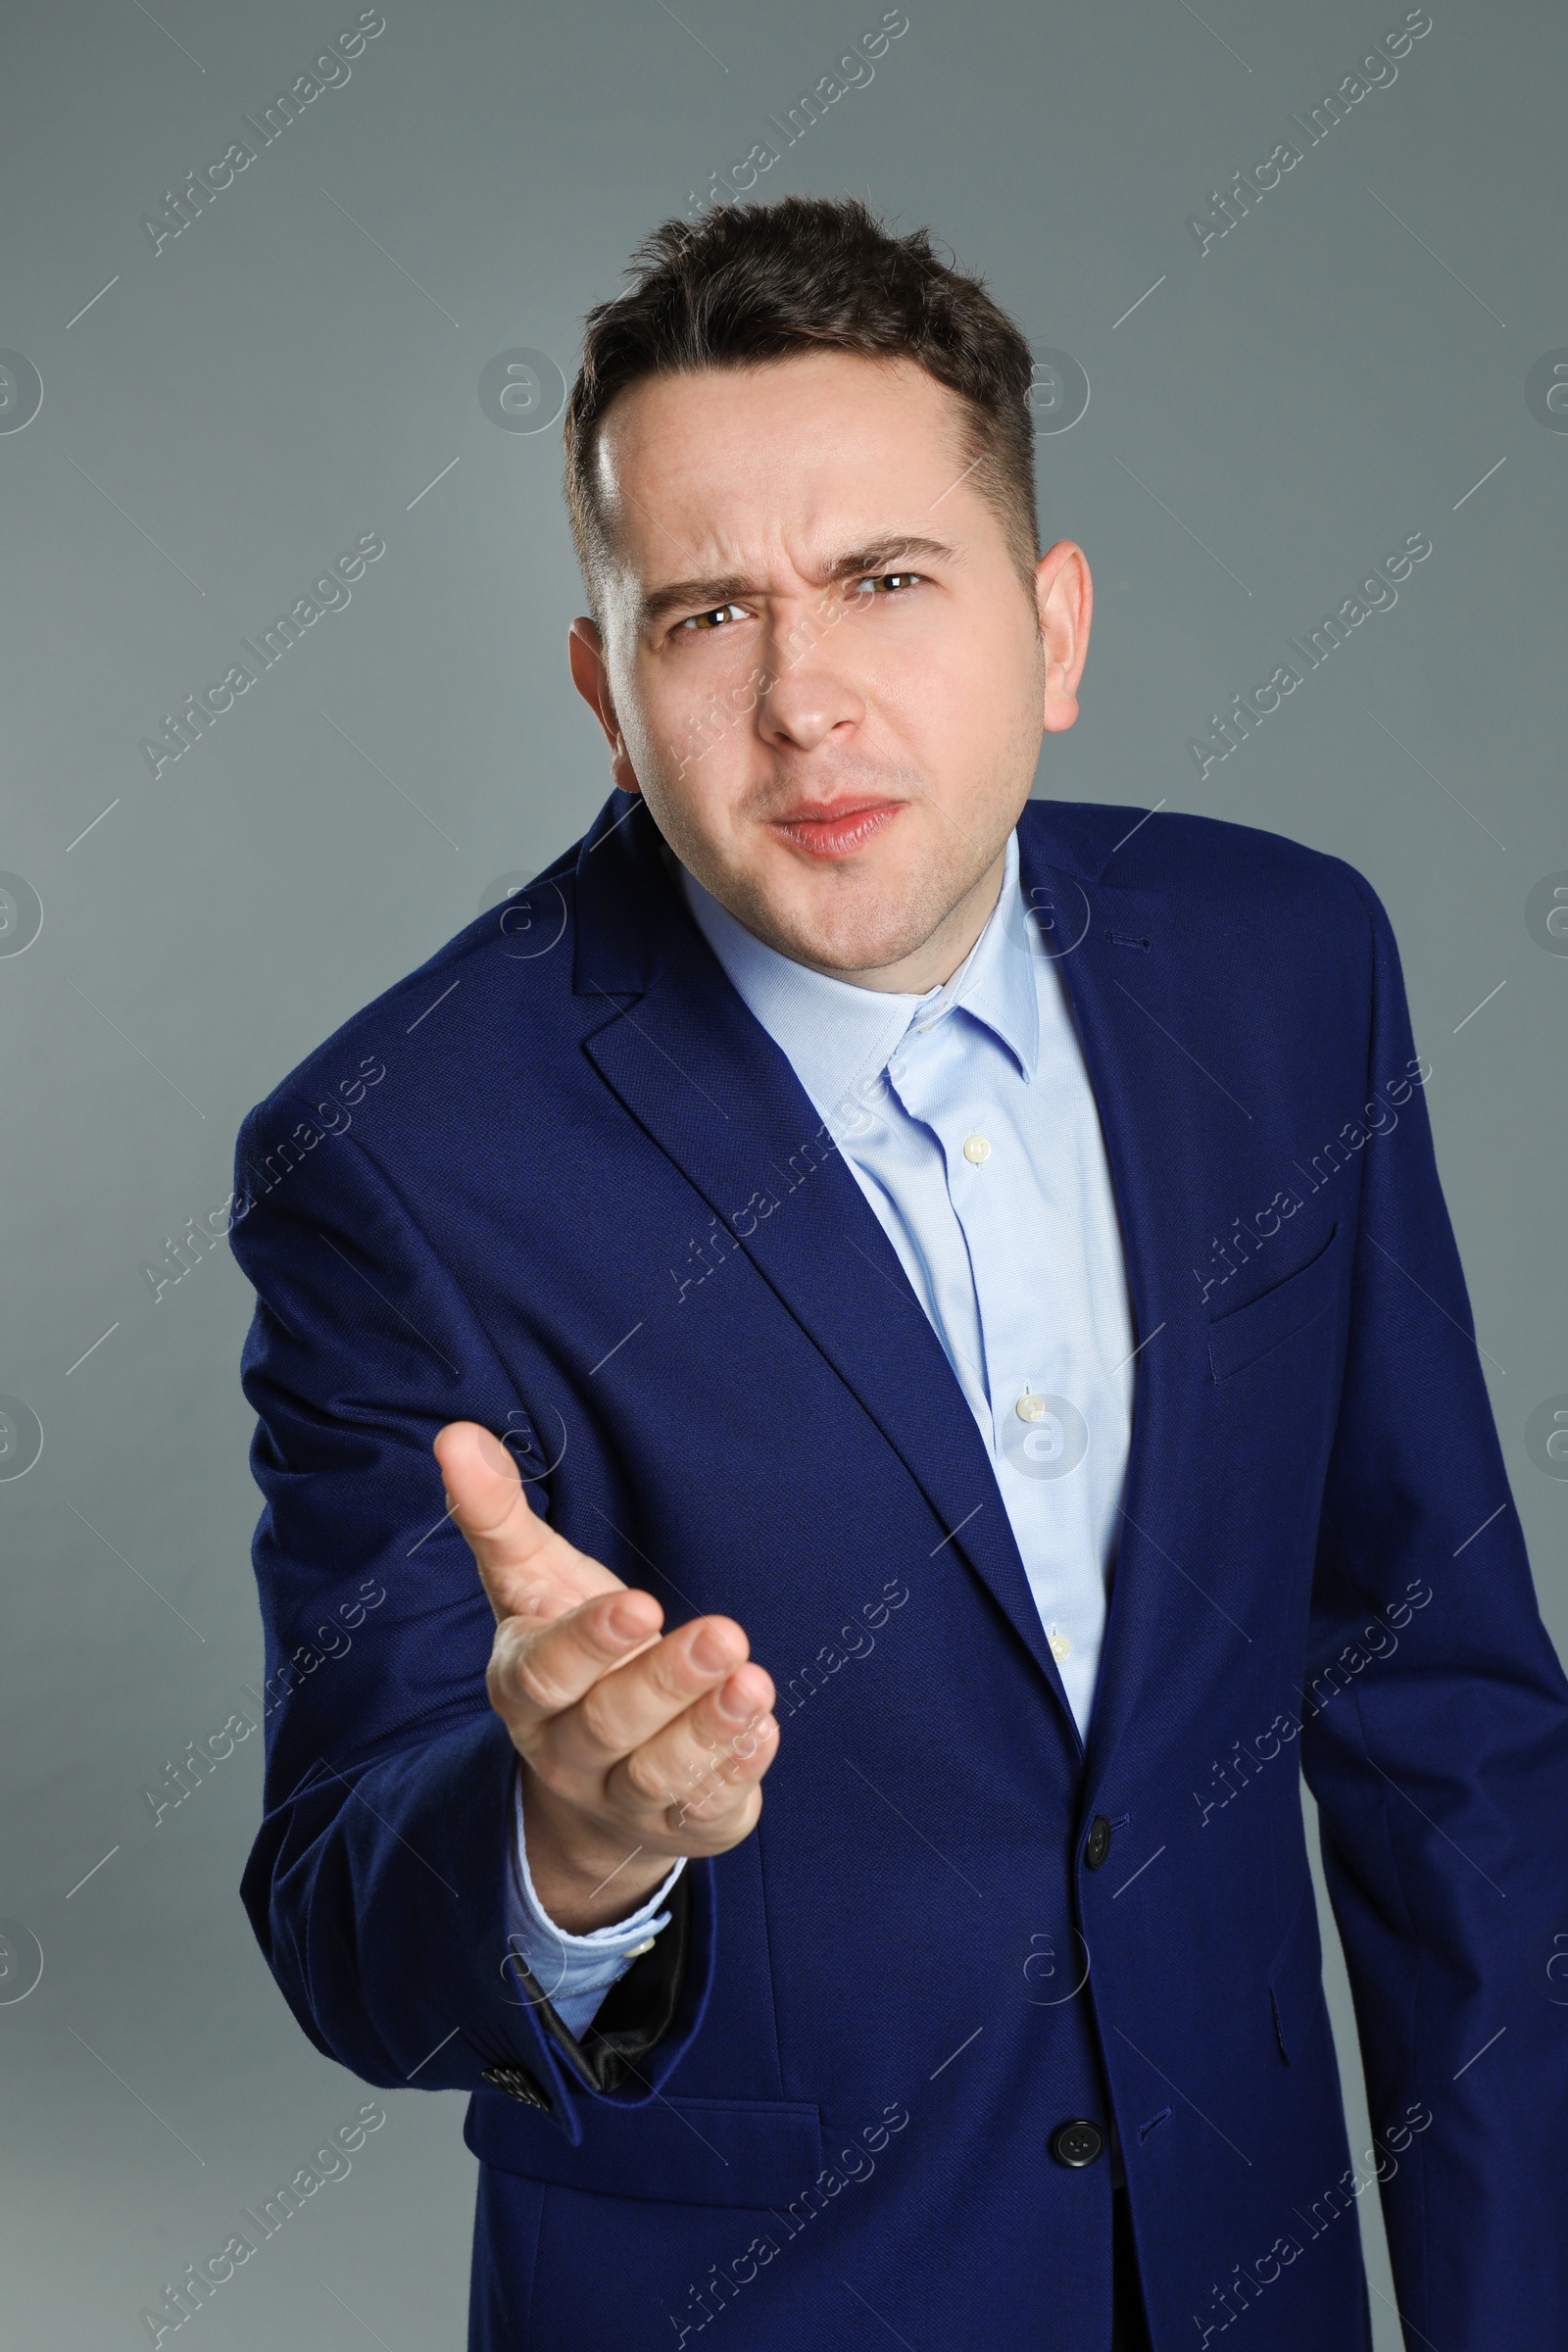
{"x":707,"y":1082}
{"x":1138,"y":988}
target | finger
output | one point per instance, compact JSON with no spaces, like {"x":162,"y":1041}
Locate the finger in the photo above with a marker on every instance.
{"x":626,"y":1706}
{"x":702,"y":1771}
{"x":525,"y":1567}
{"x":539,"y":1672}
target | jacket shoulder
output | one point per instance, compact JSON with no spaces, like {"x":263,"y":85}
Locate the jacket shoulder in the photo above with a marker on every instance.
{"x":1222,"y":869}
{"x":515,"y":958}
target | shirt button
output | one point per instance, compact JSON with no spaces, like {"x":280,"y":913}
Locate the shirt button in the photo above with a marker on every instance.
{"x":1030,"y":1407}
{"x":977,"y":1147}
{"x":1061,"y":1647}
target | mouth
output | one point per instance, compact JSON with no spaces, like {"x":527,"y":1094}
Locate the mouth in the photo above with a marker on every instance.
{"x":835,"y":832}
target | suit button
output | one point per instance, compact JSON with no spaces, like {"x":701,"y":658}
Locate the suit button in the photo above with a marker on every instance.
{"x":1097,"y":1843}
{"x":1077,"y":2143}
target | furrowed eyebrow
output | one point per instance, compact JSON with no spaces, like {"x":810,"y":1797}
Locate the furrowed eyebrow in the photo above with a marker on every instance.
{"x":706,"y":594}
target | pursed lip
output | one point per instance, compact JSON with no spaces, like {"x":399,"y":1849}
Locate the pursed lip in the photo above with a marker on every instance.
{"x":837,"y":828}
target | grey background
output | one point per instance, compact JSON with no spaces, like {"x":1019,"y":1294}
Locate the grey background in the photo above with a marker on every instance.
{"x":286,"y":375}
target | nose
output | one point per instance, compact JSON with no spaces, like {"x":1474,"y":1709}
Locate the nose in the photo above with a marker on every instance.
{"x":811,"y":691}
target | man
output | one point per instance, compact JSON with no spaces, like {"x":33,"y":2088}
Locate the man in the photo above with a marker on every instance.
{"x":935,"y":1308}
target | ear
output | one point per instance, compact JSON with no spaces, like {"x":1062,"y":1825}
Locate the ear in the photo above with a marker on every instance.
{"x":1064,"y":597}
{"x":585,"y":658}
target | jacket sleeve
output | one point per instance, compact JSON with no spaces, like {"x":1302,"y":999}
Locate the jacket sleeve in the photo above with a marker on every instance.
{"x":376,"y":1887}
{"x":1435,"y":1741}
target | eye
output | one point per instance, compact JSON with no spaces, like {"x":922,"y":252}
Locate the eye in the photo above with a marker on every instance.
{"x":696,"y":623}
{"x":895,"y":583}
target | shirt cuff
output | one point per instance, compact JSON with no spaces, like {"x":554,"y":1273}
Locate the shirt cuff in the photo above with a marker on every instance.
{"x":575,"y":1972}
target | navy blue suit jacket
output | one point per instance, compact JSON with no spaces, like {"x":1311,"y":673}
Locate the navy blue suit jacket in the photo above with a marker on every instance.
{"x":480,"y":1199}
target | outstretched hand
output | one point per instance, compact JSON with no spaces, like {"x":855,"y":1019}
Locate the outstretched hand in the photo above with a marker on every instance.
{"x":637,"y":1746}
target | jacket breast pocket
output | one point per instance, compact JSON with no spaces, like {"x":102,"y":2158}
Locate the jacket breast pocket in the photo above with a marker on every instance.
{"x":1240,"y":1338}
{"x":675,"y":2151}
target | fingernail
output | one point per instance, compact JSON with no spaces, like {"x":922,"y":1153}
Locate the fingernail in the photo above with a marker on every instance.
{"x":733,"y":1705}
{"x":710,"y":1651}
{"x":625,"y":1623}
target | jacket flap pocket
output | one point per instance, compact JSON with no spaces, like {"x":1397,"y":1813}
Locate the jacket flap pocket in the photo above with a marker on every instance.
{"x":1249,"y":1332}
{"x":1296,"y":1979}
{"x":677,"y":2151}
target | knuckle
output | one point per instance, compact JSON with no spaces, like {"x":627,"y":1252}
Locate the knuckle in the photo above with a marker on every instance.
{"x":645,"y":1778}
{"x":535,"y":1684}
{"x":596,"y":1711}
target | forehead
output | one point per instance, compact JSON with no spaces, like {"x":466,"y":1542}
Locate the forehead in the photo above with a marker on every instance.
{"x":733,"y":458}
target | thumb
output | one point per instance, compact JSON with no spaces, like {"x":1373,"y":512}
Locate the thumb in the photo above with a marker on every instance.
{"x":527,"y":1569}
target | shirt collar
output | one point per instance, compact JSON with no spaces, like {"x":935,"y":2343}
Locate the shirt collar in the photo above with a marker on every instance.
{"x":836,"y":1034}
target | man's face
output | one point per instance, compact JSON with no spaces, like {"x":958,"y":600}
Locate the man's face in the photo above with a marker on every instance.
{"x":819,"y":664}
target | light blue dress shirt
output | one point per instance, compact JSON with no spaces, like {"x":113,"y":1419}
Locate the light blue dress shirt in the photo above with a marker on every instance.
{"x":966,"y":1117}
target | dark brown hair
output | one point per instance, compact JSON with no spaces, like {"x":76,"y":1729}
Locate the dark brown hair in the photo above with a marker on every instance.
{"x":753,"y":282}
